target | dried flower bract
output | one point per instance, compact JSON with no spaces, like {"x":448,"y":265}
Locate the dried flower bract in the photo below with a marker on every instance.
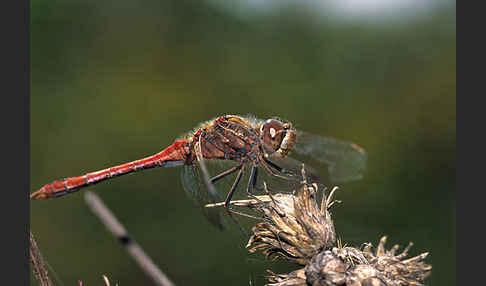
{"x":298,"y":229}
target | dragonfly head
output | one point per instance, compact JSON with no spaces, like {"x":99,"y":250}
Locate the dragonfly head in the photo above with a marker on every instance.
{"x":277,"y":137}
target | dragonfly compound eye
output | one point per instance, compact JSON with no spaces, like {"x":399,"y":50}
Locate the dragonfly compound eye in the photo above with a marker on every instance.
{"x":272,"y":134}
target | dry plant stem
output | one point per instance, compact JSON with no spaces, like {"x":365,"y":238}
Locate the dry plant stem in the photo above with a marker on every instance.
{"x":116,"y":228}
{"x":38,"y":265}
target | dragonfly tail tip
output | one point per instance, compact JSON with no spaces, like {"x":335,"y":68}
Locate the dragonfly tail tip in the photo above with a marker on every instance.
{"x":38,"y":195}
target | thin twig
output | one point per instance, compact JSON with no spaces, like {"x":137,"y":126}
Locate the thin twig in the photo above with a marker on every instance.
{"x":244,"y":203}
{"x":116,"y":228}
{"x":38,"y":264}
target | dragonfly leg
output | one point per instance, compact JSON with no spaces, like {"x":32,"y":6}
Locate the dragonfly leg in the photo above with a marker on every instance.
{"x":252,"y":183}
{"x":233,"y":187}
{"x":277,"y":167}
{"x":225,"y":173}
{"x":270,"y":171}
{"x":227,"y":202}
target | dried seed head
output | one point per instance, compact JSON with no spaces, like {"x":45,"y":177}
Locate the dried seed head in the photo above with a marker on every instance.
{"x":300,"y":231}
{"x":297,"y":228}
{"x":294,"y":278}
{"x":351,"y":266}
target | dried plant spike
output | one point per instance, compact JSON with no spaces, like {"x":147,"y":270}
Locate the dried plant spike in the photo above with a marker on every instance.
{"x":38,"y":264}
{"x":366,"y":247}
{"x":331,"y":194}
{"x":324,"y":200}
{"x":416,"y":258}
{"x":381,"y":246}
{"x":304,"y":176}
{"x":394,"y":249}
{"x":405,"y":251}
{"x":329,"y":202}
{"x":294,"y":278}
{"x":106,"y":281}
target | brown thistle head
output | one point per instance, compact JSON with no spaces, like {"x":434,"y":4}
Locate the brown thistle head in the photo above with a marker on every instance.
{"x":299,"y":228}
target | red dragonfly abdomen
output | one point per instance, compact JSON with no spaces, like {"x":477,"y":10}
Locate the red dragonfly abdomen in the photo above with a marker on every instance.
{"x":176,"y":154}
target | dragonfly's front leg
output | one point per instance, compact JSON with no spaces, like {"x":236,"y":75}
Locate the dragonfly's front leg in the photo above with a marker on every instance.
{"x":277,"y":167}
{"x":266,"y":165}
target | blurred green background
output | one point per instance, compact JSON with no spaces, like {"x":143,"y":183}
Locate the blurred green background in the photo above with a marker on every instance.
{"x":114,"y":81}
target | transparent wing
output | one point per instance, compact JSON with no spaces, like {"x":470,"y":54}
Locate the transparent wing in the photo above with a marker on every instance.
{"x":345,"y":160}
{"x":194,"y":186}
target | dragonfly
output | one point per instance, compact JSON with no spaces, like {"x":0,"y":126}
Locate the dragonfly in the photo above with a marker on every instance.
{"x":252,"y":145}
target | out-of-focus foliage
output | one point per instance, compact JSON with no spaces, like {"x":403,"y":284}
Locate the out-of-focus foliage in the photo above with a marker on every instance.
{"x":116,"y":81}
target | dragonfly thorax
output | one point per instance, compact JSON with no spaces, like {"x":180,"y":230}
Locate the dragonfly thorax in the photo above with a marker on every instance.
{"x":277,"y":137}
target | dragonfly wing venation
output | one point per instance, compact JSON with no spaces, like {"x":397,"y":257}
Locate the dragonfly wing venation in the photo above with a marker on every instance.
{"x":195,"y":188}
{"x":345,"y":160}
